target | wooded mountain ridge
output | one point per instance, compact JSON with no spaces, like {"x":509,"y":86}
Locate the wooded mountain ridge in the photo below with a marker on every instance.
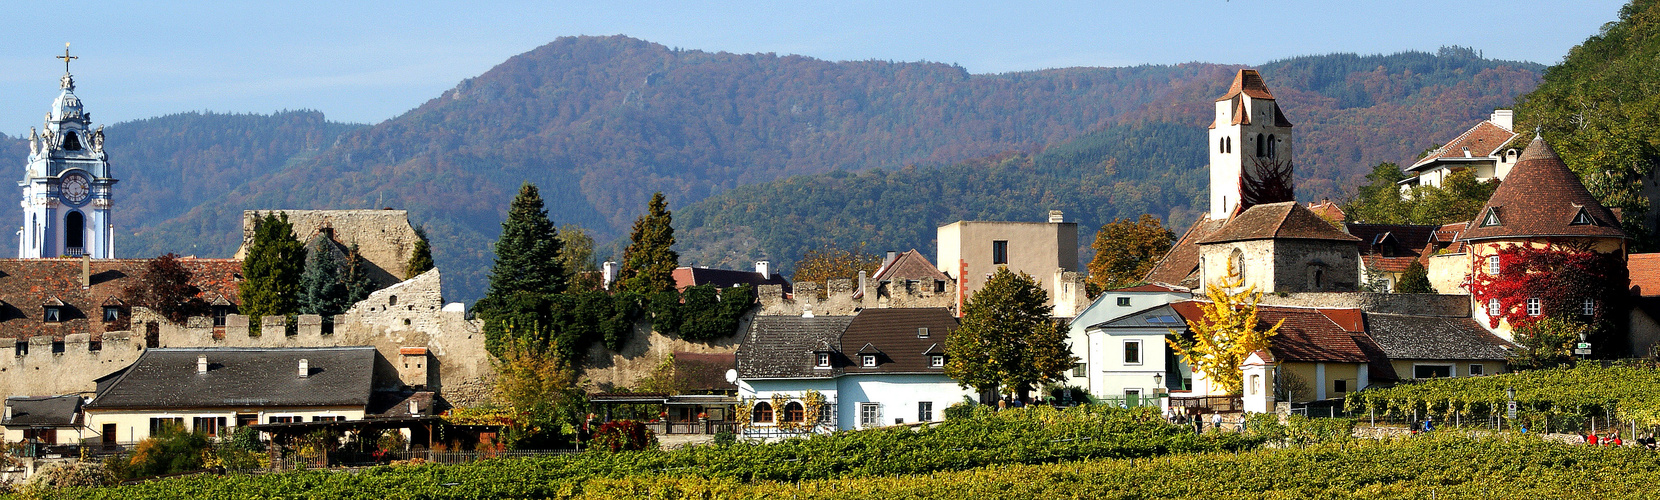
{"x":602,"y":122}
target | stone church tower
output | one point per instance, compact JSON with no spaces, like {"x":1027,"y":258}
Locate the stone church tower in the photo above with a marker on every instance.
{"x":1249,"y":141}
{"x":66,"y":188}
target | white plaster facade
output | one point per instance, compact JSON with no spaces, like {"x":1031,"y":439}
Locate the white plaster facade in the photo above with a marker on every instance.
{"x":1108,"y":306}
{"x":897,"y":398}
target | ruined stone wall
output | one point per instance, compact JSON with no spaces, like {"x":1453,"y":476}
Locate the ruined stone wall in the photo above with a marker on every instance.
{"x":384,"y":237}
{"x":840,"y":297}
{"x":408,"y":314}
{"x":644,"y":350}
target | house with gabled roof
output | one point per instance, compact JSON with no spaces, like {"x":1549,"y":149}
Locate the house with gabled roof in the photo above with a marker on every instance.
{"x":1484,"y":148}
{"x":879,"y":367}
{"x":1281,"y":247}
{"x":211,"y":390}
{"x":1423,"y":347}
{"x":1108,"y":306}
{"x":1386,"y":250}
{"x":46,"y":420}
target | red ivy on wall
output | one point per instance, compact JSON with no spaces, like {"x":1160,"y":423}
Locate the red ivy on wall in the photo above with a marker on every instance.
{"x":1561,"y":276}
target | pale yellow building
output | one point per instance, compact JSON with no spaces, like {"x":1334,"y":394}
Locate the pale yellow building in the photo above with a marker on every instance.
{"x":969,"y":251}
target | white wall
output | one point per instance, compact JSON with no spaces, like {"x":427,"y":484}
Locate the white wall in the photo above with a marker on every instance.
{"x":1106,"y":308}
{"x":1112,"y":375}
{"x":898,"y":394}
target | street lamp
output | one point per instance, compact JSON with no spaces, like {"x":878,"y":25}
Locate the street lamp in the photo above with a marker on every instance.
{"x":1158,"y":384}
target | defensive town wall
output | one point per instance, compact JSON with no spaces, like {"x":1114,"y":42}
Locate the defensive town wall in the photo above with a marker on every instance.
{"x":410,"y":314}
{"x":841,"y":297}
{"x":385,"y":238}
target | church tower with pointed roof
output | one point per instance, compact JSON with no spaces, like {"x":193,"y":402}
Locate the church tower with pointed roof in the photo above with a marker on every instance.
{"x":1250,"y":148}
{"x":66,"y":186}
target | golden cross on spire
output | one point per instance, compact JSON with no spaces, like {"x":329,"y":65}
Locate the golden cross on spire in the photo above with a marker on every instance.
{"x":66,"y":57}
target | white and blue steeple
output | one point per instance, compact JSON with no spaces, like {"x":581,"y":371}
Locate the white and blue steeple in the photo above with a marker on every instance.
{"x":67,"y":185}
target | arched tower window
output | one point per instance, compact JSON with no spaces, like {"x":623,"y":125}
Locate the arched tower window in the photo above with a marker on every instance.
{"x":1222,"y":145}
{"x":71,"y":141}
{"x":1271,"y":146}
{"x":74,"y":234}
{"x":1227,"y":144}
{"x":1236,"y":261}
{"x":1259,"y":145}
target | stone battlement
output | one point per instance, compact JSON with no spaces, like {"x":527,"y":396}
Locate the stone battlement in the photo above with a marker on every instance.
{"x":841,"y":297}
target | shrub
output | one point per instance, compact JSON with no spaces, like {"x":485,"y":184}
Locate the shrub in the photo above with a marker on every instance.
{"x":624,"y":435}
{"x":173,"y":449}
{"x":960,"y":410}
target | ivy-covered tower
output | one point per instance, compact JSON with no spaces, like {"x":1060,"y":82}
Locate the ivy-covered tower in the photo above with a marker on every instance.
{"x":66,"y":187}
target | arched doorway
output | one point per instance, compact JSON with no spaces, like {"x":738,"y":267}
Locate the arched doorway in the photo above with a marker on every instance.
{"x":74,"y":234}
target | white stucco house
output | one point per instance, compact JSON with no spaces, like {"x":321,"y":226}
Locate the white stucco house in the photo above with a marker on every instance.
{"x":1111,"y":305}
{"x":879,"y":367}
{"x":1130,"y":358}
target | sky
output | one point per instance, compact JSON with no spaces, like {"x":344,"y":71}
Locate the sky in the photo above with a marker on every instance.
{"x":367,"y":63}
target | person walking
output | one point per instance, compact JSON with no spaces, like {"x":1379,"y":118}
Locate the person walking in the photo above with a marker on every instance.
{"x":1216,"y":422}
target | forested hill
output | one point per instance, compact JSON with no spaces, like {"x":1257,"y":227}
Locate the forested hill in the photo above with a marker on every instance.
{"x":602,"y":122}
{"x":1350,"y":112}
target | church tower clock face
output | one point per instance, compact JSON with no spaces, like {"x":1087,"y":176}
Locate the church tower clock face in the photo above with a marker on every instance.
{"x":75,"y":188}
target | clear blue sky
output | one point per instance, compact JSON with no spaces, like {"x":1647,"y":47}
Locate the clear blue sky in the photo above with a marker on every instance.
{"x":368,"y":63}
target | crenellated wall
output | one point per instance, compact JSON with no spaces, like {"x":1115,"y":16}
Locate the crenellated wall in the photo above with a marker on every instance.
{"x":407,"y":314}
{"x":841,"y":297}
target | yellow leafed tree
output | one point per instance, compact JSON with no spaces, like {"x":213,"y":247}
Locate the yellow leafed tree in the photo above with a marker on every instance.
{"x":1227,"y":335}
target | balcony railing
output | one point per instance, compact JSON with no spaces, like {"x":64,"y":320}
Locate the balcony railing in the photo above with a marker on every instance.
{"x":74,"y":251}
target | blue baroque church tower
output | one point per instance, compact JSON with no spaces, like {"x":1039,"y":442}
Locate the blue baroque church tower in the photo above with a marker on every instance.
{"x":66,"y":189}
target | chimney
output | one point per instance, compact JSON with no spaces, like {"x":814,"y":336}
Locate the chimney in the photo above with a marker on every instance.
{"x":86,"y":271}
{"x":1504,"y":118}
{"x":763,"y":268}
{"x":305,"y":368}
{"x":201,"y":364}
{"x":608,"y":273}
{"x":892,"y":256}
{"x":1056,"y":217}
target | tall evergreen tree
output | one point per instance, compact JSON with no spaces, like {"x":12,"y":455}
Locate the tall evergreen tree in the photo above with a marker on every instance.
{"x":649,"y":261}
{"x":271,"y":270}
{"x":321,"y":289}
{"x":527,"y":255}
{"x":354,"y":273}
{"x":420,"y":260}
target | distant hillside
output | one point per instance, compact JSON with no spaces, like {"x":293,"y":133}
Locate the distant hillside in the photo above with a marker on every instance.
{"x":174,"y":164}
{"x":602,"y":122}
{"x":1351,"y":112}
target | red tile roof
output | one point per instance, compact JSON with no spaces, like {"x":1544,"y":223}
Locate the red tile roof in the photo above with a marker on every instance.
{"x":1183,"y":257}
{"x":28,"y":284}
{"x":1388,"y":264}
{"x":1481,"y":141}
{"x":1327,"y":210}
{"x":1645,"y":274}
{"x":1250,"y":83}
{"x":910,"y":266}
{"x":1284,"y":220}
{"x":1541,"y":197}
{"x":1307,"y":334}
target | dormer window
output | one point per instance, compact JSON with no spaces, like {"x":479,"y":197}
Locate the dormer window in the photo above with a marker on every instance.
{"x":112,"y":314}
{"x":822,"y":360}
{"x":922,"y":332}
{"x":868,"y":360}
{"x":53,"y":314}
{"x":1492,"y":217}
{"x":936,"y":361}
{"x":1583,"y":219}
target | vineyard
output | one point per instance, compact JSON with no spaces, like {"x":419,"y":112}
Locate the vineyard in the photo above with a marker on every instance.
{"x":1037,"y":435}
{"x":1562,"y":399}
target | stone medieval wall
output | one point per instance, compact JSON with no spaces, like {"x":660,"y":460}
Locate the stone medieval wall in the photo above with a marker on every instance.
{"x":408,"y":314}
{"x":384,"y":237}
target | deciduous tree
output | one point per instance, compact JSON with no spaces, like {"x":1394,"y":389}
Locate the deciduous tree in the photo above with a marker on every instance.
{"x":649,"y":261}
{"x":1126,"y":250}
{"x":834,"y":262}
{"x":1007,"y":340}
{"x":1227,"y":334}
{"x":271,"y":270}
{"x":576,"y":253}
{"x":165,"y":288}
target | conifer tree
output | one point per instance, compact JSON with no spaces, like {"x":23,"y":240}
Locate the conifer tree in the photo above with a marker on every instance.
{"x":322,"y":291}
{"x":649,"y":261}
{"x":420,"y":260}
{"x":1415,"y":279}
{"x":354,"y":273}
{"x":527,"y":255}
{"x":1007,"y":340}
{"x":271,"y":270}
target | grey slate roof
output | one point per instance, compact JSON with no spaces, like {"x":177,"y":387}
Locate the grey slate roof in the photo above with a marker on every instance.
{"x":782,"y":346}
{"x":46,"y":411}
{"x":1425,"y":337}
{"x":1161,"y":316}
{"x":241,"y":377}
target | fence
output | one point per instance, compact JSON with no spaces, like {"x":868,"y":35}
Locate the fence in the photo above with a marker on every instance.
{"x":703,"y":427}
{"x":1208,"y":404}
{"x":442,"y":457}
